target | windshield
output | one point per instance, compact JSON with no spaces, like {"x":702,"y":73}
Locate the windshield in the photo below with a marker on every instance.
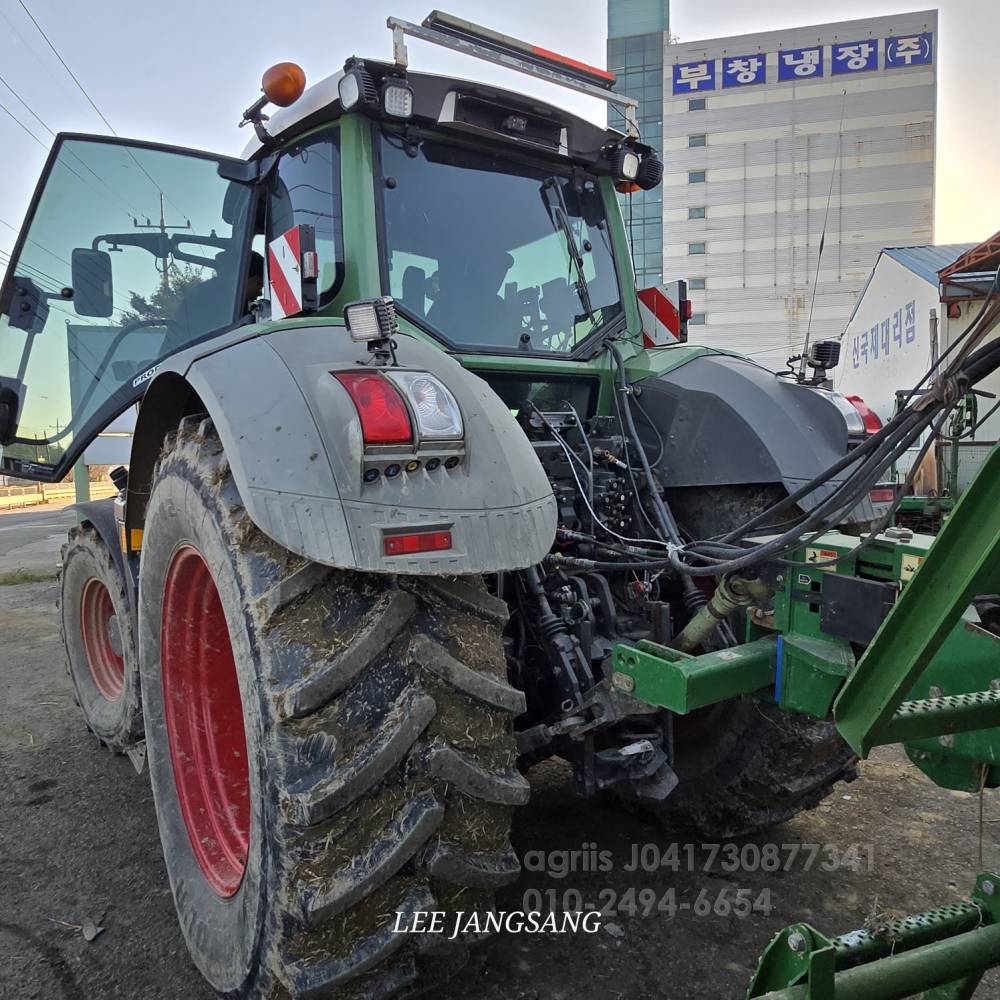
{"x":490,"y":253}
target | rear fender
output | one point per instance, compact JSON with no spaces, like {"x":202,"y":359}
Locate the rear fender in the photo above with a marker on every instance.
{"x":293,"y":441}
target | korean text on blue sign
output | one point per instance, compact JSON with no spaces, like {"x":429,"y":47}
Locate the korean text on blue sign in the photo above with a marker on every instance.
{"x":909,"y":50}
{"x":885,"y":338}
{"x":694,"y":76}
{"x":738,"y":71}
{"x":800,"y":64}
{"x":854,"y":57}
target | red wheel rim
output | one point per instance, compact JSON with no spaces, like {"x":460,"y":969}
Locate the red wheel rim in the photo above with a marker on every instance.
{"x":204,"y":718}
{"x":98,"y":629}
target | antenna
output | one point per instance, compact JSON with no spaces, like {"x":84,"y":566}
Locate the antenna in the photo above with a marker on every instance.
{"x":822,"y":239}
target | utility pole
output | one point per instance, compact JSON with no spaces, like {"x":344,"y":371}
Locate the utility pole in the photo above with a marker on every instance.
{"x":163,"y":227}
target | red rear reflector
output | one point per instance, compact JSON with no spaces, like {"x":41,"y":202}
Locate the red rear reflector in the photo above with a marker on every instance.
{"x":686,"y":309}
{"x":882,"y":496}
{"x":421,"y":541}
{"x":574,"y":63}
{"x":384,"y":417}
{"x":872,"y":421}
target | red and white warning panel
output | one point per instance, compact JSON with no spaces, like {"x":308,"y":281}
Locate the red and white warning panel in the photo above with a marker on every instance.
{"x":665,"y":311}
{"x":293,"y":272}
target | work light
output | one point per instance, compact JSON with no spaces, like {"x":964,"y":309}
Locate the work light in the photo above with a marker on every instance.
{"x":624,"y":163}
{"x":397,"y":98}
{"x":356,"y":86}
{"x":371,"y":319}
{"x":650,"y":172}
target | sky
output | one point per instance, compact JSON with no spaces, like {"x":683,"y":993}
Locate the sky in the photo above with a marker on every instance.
{"x":183,"y":72}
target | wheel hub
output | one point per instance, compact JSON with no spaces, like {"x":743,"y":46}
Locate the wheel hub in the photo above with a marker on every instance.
{"x":204,"y":720}
{"x":102,"y":643}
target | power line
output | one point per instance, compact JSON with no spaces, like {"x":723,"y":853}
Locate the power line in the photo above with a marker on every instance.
{"x":129,"y":209}
{"x":21,"y":125}
{"x":55,"y":52}
{"x":90,"y":100}
{"x":26,"y":106}
{"x":34,"y":52}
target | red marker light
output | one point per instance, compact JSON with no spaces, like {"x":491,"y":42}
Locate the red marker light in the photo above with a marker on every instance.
{"x":573,"y":63}
{"x":420,"y":541}
{"x":872,"y":421}
{"x":384,"y":417}
{"x":883,"y":495}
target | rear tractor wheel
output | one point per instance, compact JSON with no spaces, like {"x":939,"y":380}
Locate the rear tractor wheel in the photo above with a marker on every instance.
{"x":97,"y":635}
{"x":329,"y":751}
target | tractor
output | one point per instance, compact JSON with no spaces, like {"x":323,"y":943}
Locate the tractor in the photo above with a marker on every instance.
{"x":416,"y":499}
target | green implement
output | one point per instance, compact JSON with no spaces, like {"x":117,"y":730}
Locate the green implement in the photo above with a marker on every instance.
{"x":939,"y":955}
{"x":964,"y":561}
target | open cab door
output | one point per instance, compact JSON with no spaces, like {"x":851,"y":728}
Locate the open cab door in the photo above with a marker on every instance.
{"x":130,"y":252}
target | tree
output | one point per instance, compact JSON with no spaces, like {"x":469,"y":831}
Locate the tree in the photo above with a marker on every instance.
{"x":163,"y":303}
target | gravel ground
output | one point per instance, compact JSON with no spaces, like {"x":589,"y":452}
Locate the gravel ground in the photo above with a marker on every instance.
{"x":78,"y":844}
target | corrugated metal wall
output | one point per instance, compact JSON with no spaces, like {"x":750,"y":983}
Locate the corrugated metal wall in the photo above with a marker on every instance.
{"x":853,"y":152}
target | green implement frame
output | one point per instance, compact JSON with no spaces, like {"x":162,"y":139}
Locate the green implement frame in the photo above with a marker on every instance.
{"x":964,"y":561}
{"x":939,"y":955}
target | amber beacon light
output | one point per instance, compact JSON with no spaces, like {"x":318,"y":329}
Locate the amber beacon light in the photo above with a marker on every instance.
{"x":283,"y":83}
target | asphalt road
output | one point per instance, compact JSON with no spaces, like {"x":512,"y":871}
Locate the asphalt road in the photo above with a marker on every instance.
{"x":30,"y":539}
{"x":78,"y":843}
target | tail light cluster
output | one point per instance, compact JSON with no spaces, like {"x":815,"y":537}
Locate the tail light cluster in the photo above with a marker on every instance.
{"x":861,"y":420}
{"x":402,"y":409}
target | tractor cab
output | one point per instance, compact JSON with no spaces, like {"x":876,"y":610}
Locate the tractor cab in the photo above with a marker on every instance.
{"x":489,"y":217}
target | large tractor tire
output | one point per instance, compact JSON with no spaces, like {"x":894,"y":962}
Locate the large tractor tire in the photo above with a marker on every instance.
{"x":329,"y":751}
{"x":97,"y":634}
{"x":745,"y":767}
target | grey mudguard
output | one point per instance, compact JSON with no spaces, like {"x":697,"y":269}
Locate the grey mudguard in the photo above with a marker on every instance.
{"x":726,"y":421}
{"x":293,"y":440}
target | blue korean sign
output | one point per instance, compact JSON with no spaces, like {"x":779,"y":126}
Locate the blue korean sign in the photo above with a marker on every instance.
{"x":909,"y":50}
{"x":854,"y":57}
{"x":800,"y":64}
{"x":739,"y":71}
{"x":693,"y":77}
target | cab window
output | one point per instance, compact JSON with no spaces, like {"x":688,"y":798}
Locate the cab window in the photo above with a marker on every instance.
{"x":307,"y":191}
{"x":131,"y":253}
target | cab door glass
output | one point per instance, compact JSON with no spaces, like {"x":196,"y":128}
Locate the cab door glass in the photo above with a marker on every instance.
{"x":306,"y":191}
{"x":131,"y":253}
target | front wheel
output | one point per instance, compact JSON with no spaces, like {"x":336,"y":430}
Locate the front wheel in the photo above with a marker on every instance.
{"x":330,"y":752}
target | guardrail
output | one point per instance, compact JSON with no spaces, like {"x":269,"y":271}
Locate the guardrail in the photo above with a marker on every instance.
{"x":15,"y":497}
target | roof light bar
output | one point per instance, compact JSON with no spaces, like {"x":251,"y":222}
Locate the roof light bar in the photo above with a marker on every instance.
{"x":481,"y":43}
{"x":460,"y":28}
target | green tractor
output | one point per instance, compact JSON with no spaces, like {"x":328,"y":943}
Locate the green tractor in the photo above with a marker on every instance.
{"x":414,"y":503}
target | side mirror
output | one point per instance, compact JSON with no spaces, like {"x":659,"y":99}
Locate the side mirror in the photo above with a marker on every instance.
{"x":92,"y":287}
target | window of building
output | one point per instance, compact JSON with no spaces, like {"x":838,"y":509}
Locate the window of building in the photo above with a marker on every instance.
{"x":696,"y":177}
{"x":697,"y":319}
{"x":696,"y":284}
{"x":697,"y":213}
{"x":696,"y":248}
{"x":696,"y":104}
{"x":697,"y":140}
